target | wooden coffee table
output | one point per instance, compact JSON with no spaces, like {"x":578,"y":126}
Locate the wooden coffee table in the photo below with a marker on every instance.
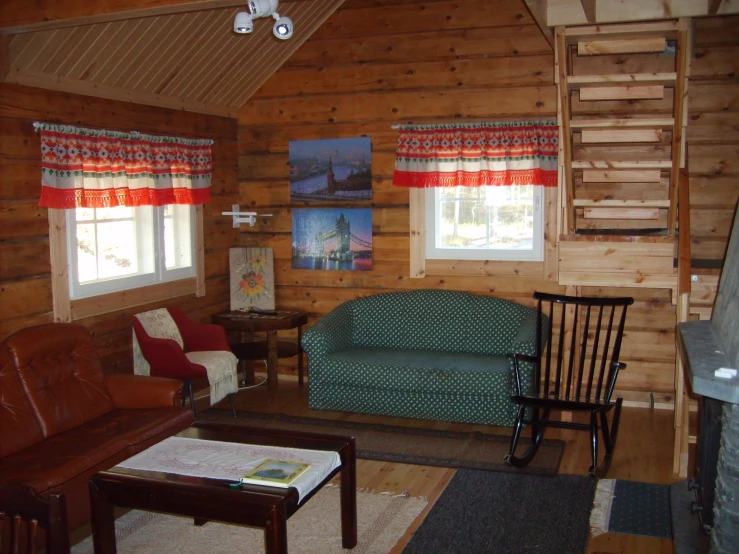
{"x":212,"y":499}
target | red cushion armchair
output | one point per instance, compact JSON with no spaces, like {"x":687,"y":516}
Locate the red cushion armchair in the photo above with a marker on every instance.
{"x":168,"y":344}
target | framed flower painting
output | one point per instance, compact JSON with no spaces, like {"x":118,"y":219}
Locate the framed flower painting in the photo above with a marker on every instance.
{"x":252,"y":278}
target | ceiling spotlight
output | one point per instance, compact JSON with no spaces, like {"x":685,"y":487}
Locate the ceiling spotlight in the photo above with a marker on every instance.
{"x":243,"y":23}
{"x":283,"y":27}
{"x":262,"y":8}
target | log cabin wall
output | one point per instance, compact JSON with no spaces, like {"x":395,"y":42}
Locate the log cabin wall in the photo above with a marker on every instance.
{"x":713,"y":151}
{"x":370,"y":66}
{"x":25,"y":280}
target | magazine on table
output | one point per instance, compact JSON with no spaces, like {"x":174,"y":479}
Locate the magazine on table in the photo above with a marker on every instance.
{"x":275,"y":473}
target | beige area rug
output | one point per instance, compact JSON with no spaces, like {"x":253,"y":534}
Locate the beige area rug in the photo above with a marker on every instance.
{"x":314,"y":529}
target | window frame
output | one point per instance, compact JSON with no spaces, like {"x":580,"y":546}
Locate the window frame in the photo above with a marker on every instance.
{"x":421,"y":265}
{"x":67,"y":309}
{"x":154,"y":245}
{"x":535,"y":254}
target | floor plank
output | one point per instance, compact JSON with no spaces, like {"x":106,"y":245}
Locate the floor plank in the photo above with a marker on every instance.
{"x":643,"y":453}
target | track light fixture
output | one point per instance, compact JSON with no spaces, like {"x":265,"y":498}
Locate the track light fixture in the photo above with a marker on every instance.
{"x":244,"y":21}
{"x":283,"y":27}
{"x":262,"y":8}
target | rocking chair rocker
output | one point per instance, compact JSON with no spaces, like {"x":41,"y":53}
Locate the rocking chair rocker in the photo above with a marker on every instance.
{"x":580,"y":372}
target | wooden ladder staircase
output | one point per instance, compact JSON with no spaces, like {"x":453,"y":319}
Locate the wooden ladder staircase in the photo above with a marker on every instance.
{"x":622,"y":114}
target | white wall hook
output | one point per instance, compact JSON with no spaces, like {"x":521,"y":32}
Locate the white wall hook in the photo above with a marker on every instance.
{"x":244,"y":217}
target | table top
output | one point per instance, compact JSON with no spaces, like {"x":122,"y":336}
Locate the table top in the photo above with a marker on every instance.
{"x":245,"y":321}
{"x":243,"y":435}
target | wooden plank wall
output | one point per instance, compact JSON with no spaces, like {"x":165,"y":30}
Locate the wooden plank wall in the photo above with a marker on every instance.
{"x":713,"y":148}
{"x":25,"y":284}
{"x":369,"y":67}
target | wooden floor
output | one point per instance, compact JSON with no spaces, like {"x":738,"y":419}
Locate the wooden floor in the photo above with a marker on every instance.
{"x":643,"y":453}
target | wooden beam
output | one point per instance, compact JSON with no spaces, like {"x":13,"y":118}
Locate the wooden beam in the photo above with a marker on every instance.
{"x":588,"y":6}
{"x":538,"y":10}
{"x":713,"y":6}
{"x":21,"y":16}
{"x":78,"y":86}
{"x":4,"y":57}
{"x":574,"y":12}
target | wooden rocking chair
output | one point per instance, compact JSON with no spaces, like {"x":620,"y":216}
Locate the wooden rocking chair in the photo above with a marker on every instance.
{"x":578,"y":345}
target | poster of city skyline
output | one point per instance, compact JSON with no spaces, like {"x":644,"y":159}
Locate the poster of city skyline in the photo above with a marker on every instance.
{"x":332,"y":238}
{"x":330,"y":170}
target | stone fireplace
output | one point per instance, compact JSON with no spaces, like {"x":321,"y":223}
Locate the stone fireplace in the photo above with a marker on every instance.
{"x":706,"y":346}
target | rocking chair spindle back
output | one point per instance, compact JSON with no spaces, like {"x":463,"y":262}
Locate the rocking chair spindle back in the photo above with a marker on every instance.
{"x":578,"y":348}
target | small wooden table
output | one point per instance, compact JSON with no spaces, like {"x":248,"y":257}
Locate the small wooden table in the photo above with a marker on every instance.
{"x":212,"y":499}
{"x":247,"y":324}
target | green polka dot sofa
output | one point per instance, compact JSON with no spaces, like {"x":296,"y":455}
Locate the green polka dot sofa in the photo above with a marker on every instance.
{"x":426,"y":354}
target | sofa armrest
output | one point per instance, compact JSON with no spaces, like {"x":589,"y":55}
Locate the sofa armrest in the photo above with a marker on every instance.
{"x":524,"y":349}
{"x":139,"y":391}
{"x":525,"y":340}
{"x":330,"y":334}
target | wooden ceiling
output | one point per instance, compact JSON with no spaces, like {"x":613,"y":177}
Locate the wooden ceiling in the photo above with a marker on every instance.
{"x":191,"y":61}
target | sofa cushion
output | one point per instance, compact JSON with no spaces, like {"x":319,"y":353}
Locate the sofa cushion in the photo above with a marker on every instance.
{"x":19,"y":427}
{"x":421,"y":371}
{"x":138,"y":426}
{"x":477,"y":408}
{"x":66,"y":455}
{"x":60,"y":458}
{"x":61,"y":375}
{"x":449,"y":321}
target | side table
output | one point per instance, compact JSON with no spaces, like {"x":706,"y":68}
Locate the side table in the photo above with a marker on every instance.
{"x":247,"y":323}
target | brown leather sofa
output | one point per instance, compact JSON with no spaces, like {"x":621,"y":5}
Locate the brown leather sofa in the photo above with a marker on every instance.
{"x":62,"y":419}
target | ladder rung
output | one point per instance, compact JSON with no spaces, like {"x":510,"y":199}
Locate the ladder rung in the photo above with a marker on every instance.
{"x":653,"y":27}
{"x":597,"y":164}
{"x":621,"y":46}
{"x":582,"y":203}
{"x":621,"y":176}
{"x":621,"y":214}
{"x":662,"y":123}
{"x":575,"y":81}
{"x":628,"y":92}
{"x":600,"y":136}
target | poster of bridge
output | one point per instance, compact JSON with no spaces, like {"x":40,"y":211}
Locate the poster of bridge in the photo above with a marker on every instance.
{"x":332,"y":238}
{"x":330,"y":170}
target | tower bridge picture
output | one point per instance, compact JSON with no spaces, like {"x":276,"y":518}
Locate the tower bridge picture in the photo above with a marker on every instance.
{"x":332,"y":238}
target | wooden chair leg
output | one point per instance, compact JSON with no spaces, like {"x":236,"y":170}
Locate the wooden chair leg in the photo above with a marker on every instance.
{"x":594,"y":441}
{"x":188,"y":384}
{"x":609,"y":438}
{"x":537,"y":433}
{"x":233,"y":404}
{"x":516,"y":434}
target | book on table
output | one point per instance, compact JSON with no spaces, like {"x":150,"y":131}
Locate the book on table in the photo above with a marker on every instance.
{"x":275,"y":473}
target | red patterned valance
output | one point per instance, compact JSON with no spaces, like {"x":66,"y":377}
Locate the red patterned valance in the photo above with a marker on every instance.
{"x":88,"y":168}
{"x":510,"y":153}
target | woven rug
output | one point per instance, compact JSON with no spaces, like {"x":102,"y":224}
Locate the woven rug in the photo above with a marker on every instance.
{"x":408,"y":445}
{"x":632,"y":508}
{"x":481,"y":512}
{"x":314,"y":529}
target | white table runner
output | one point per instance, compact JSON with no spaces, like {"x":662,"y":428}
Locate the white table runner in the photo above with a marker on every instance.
{"x":229,"y":461}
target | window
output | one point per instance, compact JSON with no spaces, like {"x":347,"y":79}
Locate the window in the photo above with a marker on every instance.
{"x":121,"y":248}
{"x":485,"y":223}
